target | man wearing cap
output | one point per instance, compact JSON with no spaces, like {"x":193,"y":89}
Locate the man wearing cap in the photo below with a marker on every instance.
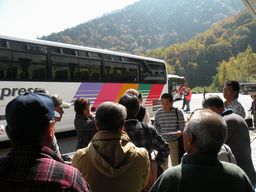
{"x":31,"y":165}
{"x":59,"y":104}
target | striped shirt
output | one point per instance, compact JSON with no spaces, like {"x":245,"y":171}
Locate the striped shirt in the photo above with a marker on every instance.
{"x":166,"y":123}
{"x":236,"y":108}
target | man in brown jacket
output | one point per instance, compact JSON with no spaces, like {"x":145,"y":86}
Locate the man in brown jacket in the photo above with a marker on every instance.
{"x":111,"y":162}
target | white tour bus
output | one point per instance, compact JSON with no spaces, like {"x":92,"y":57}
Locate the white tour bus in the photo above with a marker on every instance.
{"x":75,"y":71}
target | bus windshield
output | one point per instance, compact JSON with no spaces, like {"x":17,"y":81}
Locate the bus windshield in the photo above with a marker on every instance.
{"x":175,"y":84}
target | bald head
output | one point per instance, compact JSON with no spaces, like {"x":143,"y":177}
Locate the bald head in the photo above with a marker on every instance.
{"x":207,"y":131}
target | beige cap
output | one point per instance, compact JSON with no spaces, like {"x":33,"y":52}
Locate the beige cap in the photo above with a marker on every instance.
{"x":58,"y":102}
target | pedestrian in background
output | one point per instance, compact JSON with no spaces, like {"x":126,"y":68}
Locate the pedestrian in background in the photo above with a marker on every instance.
{"x":188,"y":96}
{"x":253,"y":110}
{"x":169,"y":122}
{"x":231,"y":92}
{"x":84,"y":122}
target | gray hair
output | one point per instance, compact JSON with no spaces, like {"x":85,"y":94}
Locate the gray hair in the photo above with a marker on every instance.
{"x":132,"y":92}
{"x":208,"y":130}
{"x":110,"y":116}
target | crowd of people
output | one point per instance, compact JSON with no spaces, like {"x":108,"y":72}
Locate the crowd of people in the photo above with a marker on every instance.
{"x":120,"y":149}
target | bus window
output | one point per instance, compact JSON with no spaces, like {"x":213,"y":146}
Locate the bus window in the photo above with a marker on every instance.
{"x":69,"y":51}
{"x":19,"y":46}
{"x":113,"y":71}
{"x":72,"y":71}
{"x":26,"y":64}
{"x":89,"y":70}
{"x":5,"y":63}
{"x":94,"y":55}
{"x":153,"y":72}
{"x":39,"y":74}
{"x":131,"y":73}
{"x":64,"y":68}
{"x":55,"y":50}
{"x":3,"y":43}
{"x":83,"y":53}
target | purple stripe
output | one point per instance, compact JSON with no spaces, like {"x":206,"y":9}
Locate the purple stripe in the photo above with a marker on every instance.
{"x":88,"y":90}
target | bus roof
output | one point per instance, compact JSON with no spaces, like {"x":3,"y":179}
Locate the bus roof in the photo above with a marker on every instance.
{"x":78,"y":47}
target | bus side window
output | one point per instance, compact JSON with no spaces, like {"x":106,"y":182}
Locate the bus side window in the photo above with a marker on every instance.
{"x":11,"y":73}
{"x":95,"y":76}
{"x":5,"y":63}
{"x":61,"y":75}
{"x":24,"y":66}
{"x":64,"y":68}
{"x":72,"y":71}
{"x":38,"y":74}
{"x":2,"y":76}
{"x":153,"y":72}
{"x":131,"y":73}
{"x":90,"y":70}
{"x":114,"y":71}
{"x":84,"y":75}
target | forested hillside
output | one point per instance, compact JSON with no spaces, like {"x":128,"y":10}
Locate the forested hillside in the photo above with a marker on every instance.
{"x":198,"y":58}
{"x":148,"y":24}
{"x":241,"y":67}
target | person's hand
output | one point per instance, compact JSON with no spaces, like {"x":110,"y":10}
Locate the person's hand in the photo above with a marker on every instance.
{"x":91,"y":116}
{"x":165,"y":166}
{"x":2,"y":129}
{"x":179,"y":133}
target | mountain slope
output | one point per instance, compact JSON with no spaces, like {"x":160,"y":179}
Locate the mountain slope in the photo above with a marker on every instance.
{"x":198,"y":58}
{"x":148,"y":24}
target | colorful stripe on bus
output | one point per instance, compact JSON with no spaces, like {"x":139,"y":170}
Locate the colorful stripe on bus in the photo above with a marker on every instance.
{"x":100,"y":92}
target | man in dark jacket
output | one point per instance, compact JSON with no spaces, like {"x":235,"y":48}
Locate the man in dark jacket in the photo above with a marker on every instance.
{"x":238,"y":138}
{"x":84,"y":122}
{"x":200,"y":170}
{"x":143,"y":134}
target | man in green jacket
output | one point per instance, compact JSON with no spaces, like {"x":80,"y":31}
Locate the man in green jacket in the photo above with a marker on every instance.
{"x":200,"y":169}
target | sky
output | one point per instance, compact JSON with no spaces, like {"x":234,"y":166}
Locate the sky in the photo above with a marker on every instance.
{"x":35,"y":18}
